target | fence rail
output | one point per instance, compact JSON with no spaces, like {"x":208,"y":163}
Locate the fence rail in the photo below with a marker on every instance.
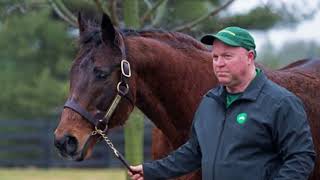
{"x":30,"y":143}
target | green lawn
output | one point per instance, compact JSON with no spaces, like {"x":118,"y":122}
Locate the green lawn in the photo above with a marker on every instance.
{"x":61,"y":174}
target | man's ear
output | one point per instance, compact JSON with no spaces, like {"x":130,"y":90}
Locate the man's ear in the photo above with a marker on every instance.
{"x":251,"y":55}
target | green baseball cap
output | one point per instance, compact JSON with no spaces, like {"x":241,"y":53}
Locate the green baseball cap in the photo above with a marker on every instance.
{"x":232,"y":36}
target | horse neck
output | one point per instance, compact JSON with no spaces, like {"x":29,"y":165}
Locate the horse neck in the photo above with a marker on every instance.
{"x":169,"y":83}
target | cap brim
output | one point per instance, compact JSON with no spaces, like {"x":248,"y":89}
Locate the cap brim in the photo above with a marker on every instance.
{"x":208,"y":39}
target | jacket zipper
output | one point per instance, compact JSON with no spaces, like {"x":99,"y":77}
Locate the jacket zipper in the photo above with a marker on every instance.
{"x":219,"y":139}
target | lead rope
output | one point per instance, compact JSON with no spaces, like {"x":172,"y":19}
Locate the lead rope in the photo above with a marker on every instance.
{"x":114,"y":150}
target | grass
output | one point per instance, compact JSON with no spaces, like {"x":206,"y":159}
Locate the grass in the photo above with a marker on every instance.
{"x":61,"y":174}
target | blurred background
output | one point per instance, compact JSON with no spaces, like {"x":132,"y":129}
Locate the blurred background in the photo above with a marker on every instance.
{"x":38,"y":44}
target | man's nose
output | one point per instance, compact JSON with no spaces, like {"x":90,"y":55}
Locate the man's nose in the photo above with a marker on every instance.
{"x":219,"y":61}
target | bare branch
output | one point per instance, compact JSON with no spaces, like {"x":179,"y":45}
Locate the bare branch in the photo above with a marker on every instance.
{"x":22,"y":7}
{"x":191,"y":24}
{"x":99,"y":5}
{"x":15,"y":7}
{"x":148,"y":14}
{"x":148,"y":3}
{"x":112,"y":7}
{"x":66,"y":11}
{"x":67,"y":16}
{"x":113,"y":12}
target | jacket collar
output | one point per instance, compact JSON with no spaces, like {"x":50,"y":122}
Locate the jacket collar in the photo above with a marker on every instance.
{"x":250,"y":93}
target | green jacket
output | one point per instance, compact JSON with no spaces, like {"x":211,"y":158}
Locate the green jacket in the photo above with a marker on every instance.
{"x":264,"y":134}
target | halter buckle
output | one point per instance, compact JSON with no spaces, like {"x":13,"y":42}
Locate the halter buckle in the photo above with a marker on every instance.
{"x":125,"y":68}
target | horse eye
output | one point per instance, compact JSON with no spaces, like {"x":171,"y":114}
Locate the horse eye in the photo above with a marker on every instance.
{"x":100,"y":74}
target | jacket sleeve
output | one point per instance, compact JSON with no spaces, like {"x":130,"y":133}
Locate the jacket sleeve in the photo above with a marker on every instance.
{"x":294,"y":141}
{"x":181,"y":161}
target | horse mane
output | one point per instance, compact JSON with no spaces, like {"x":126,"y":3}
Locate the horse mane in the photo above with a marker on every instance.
{"x":296,"y":63}
{"x":174,"y":39}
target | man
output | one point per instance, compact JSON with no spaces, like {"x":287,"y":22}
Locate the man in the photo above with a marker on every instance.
{"x":248,"y":128}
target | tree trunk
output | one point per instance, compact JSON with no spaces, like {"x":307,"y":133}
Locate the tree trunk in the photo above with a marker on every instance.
{"x":134,"y":127}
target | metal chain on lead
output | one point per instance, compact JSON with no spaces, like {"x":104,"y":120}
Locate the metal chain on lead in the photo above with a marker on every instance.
{"x":106,"y":139}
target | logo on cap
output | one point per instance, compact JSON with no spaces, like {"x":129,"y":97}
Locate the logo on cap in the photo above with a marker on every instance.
{"x":227,"y":31}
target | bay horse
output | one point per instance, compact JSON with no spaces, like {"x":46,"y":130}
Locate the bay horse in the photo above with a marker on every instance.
{"x":169,"y":74}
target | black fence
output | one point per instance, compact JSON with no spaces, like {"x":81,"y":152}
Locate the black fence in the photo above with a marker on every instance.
{"x":29,"y":143}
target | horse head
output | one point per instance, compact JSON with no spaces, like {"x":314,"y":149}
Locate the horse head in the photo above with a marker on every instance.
{"x":101,"y":93}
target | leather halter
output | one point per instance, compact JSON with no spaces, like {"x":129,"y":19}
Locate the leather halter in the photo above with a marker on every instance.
{"x":101,"y":124}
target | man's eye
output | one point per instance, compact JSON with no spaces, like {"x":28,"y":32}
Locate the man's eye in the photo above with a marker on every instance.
{"x":214,"y":58}
{"x":227,"y":56}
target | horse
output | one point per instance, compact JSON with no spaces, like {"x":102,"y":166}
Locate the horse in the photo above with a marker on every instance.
{"x":164,"y":74}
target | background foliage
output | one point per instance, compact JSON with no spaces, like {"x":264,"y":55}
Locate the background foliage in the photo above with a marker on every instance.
{"x":35,"y":52}
{"x":37,"y":45}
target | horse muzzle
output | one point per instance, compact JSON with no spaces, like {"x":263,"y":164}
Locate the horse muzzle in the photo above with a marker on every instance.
{"x":69,"y":148}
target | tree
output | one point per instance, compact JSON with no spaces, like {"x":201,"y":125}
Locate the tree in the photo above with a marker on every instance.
{"x":133,"y":130}
{"x":35,"y":53}
{"x":197,"y":17}
{"x":289,"y":52}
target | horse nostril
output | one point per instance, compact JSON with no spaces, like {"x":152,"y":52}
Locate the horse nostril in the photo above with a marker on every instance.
{"x":68,"y":144}
{"x":59,"y":143}
{"x":71,"y":144}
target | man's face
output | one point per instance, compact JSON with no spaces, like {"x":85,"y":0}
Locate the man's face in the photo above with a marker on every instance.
{"x":230,"y":64}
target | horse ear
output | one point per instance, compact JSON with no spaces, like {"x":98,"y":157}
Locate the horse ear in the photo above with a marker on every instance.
{"x":81,"y":23}
{"x":108,"y":31}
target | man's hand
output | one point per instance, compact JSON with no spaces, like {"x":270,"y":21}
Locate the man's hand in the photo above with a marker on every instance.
{"x":138,"y":172}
